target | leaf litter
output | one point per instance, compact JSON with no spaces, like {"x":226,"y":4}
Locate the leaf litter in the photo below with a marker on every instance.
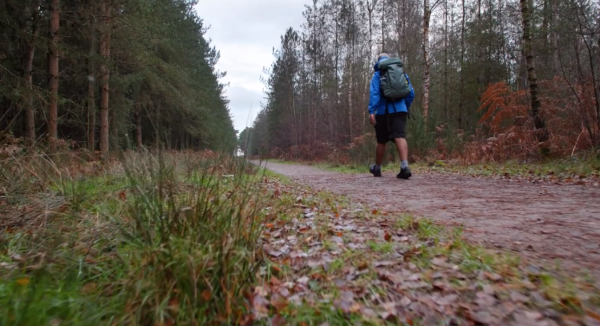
{"x":371,"y":266}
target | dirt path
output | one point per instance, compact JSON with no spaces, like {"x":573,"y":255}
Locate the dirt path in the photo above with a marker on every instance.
{"x":544,"y":222}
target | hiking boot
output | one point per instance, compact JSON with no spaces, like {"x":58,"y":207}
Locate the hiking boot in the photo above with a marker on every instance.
{"x":376,"y":171}
{"x":404,"y":174}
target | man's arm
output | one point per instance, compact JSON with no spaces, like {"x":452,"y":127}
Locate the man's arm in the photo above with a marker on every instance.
{"x":410,"y":98}
{"x":374,"y":94}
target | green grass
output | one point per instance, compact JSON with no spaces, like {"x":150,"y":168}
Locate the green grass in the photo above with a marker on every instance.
{"x":150,"y":241}
{"x":552,"y":169}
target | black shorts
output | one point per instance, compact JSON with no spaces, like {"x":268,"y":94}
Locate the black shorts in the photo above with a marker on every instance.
{"x":390,"y":126}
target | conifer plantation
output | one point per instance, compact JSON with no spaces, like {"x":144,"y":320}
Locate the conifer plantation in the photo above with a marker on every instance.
{"x":111,"y":74}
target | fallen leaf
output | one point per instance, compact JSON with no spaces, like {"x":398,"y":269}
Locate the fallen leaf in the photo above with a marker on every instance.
{"x":346,"y":303}
{"x":387,"y":237}
{"x":363,"y":265}
{"x":405,"y":301}
{"x":303,"y":280}
{"x":278,"y":320}
{"x":441,"y":262}
{"x":493,"y":277}
{"x":278,"y":302}
{"x":89,"y":288}
{"x":385,"y":263}
{"x":260,"y":305}
{"x":174,"y":304}
{"x":592,"y":314}
{"x":206,"y":295}
{"x":337,"y":239}
{"x":446,"y":300}
{"x":484,"y":299}
{"x":483,"y":317}
{"x":23,"y":281}
{"x":518,"y":297}
{"x":275,"y":270}
{"x":314,"y":263}
{"x":488,"y":289}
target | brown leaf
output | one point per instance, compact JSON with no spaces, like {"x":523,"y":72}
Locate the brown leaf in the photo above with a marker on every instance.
{"x":275,"y":270}
{"x":337,"y":239}
{"x":89,"y":288}
{"x":346,"y":302}
{"x":174,"y":304}
{"x":528,"y":318}
{"x":279,"y":302}
{"x":405,"y":301}
{"x":314,"y":263}
{"x":387,"y":237}
{"x":592,"y":314}
{"x":363,"y":265}
{"x":439,"y":261}
{"x":484,"y":299}
{"x":488,"y":289}
{"x":442,"y":286}
{"x":518,"y":297}
{"x":278,"y":320}
{"x":387,"y":316}
{"x":493,"y":277}
{"x":446,"y":300}
{"x":384,"y":263}
{"x":303,"y":280}
{"x":260,"y":290}
{"x":260,"y":305}
{"x":206,"y":295}
{"x":483,"y":317}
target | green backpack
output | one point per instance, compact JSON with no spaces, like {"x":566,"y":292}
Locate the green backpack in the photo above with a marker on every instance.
{"x":394,"y":84}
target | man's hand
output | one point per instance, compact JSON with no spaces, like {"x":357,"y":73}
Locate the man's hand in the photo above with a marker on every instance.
{"x":372,"y":119}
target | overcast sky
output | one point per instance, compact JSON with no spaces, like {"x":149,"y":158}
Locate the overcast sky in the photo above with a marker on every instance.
{"x":245,"y":32}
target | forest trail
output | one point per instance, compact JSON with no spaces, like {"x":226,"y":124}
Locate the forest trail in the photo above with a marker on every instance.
{"x":546,"y":223}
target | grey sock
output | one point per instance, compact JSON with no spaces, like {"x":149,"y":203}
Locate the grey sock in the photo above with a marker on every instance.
{"x":404,"y":164}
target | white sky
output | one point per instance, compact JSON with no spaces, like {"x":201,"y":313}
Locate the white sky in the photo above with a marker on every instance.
{"x":245,"y":32}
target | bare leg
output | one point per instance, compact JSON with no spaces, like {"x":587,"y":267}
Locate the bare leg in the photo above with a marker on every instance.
{"x":379,"y":154}
{"x":402,"y":147}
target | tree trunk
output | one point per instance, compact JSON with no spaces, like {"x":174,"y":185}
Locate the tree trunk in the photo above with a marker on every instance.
{"x":53,"y":61}
{"x":138,"y":131}
{"x":28,"y":77}
{"x":446,"y":109}
{"x":91,"y":97}
{"x":462,"y":64}
{"x":540,"y":126}
{"x":105,"y":76}
{"x":383,"y":49}
{"x":370,"y":7}
{"x":426,"y":79}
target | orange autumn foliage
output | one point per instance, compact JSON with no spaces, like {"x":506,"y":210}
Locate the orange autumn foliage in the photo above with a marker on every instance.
{"x":507,"y":128}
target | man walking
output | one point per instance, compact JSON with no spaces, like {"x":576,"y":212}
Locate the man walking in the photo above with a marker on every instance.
{"x":389,"y":104}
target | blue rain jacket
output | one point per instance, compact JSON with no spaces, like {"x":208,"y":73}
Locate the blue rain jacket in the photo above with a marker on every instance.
{"x":377,"y":103}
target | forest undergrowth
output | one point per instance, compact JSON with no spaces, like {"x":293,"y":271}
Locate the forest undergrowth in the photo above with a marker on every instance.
{"x":188,"y":238}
